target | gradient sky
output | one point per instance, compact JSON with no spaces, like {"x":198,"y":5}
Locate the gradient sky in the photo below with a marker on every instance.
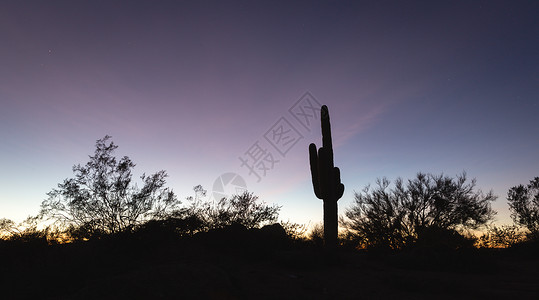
{"x":191,"y":86}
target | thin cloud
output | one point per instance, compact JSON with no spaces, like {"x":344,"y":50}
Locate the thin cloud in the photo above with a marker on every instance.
{"x":362,"y":123}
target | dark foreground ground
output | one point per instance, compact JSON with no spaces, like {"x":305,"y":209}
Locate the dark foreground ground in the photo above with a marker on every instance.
{"x":210,"y":267}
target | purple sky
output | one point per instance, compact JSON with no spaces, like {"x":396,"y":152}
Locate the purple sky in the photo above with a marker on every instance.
{"x":190,"y":86}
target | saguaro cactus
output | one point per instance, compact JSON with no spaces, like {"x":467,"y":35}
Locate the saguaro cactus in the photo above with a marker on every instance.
{"x":326,"y":179}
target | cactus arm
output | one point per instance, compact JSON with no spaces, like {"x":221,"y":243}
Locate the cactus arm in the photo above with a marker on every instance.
{"x":339,"y":187}
{"x":313,"y":159}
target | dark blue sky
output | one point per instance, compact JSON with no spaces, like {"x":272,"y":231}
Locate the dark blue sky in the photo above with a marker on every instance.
{"x":191,"y":86}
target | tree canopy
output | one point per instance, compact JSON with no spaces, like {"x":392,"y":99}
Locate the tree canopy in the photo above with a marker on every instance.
{"x":102,"y":198}
{"x":394,"y":217}
{"x":524,"y":206}
{"x":244,"y":209}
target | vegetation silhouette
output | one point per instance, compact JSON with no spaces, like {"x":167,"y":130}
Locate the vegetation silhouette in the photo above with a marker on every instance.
{"x":316,"y":235}
{"x":524,"y":207}
{"x":326,"y":180}
{"x":145,"y":243}
{"x":504,"y":236}
{"x":101,"y":199}
{"x":429,"y":209}
{"x":243,"y":209}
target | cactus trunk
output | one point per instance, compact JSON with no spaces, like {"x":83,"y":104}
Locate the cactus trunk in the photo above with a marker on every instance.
{"x":326,"y":180}
{"x":330,"y":223}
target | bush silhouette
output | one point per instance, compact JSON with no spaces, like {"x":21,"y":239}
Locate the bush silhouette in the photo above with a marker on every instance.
{"x":524,"y":206}
{"x":316,"y":235}
{"x":101,"y":198}
{"x":26,"y":232}
{"x":501,"y":236}
{"x":294,"y":231}
{"x":392,"y":218}
{"x":244,"y":209}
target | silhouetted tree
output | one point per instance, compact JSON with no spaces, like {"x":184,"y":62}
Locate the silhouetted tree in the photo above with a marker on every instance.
{"x":243,"y":209}
{"x":294,"y":231}
{"x":101,"y":198}
{"x":524,"y":206}
{"x":8,"y":228}
{"x":316,"y":235}
{"x":394,"y":217}
{"x":25,"y":231}
{"x":376,"y":217}
{"x":197,"y":207}
{"x":500,"y":236}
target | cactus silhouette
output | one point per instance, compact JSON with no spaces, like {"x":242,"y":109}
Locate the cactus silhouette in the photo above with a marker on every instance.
{"x":326,"y":179}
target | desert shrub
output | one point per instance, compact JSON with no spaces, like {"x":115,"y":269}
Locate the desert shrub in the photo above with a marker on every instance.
{"x":524,"y":207}
{"x":316,"y":234}
{"x":501,"y":236}
{"x":395,"y":217}
{"x":294,"y":231}
{"x":244,"y":209}
{"x":102,"y":198}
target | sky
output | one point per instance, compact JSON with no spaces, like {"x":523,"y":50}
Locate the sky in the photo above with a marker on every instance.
{"x":203,"y":89}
